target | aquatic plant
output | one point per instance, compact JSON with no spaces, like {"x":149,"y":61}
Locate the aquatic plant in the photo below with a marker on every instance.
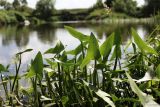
{"x":93,"y":75}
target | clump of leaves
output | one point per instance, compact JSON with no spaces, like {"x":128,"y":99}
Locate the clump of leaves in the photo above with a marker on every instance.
{"x":95,"y":75}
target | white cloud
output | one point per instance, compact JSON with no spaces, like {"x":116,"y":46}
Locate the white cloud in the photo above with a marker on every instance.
{"x":70,"y":4}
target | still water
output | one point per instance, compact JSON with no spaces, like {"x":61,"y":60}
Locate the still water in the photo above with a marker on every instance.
{"x":42,"y":37}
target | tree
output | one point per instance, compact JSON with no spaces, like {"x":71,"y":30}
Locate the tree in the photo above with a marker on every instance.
{"x":152,"y":7}
{"x":125,"y":6}
{"x":16,"y":4}
{"x":24,"y":2}
{"x":19,"y":3}
{"x":4,"y":4}
{"x":45,"y":8}
{"x":99,"y":4}
{"x":109,"y":3}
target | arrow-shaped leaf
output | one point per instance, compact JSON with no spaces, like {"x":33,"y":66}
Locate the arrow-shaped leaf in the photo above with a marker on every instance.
{"x":57,"y":49}
{"x":36,"y":67}
{"x":77,"y":34}
{"x":92,"y":51}
{"x":143,"y":46}
{"x":146,"y":100}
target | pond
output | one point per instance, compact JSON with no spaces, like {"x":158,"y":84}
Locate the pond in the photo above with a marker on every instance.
{"x":42,"y":37}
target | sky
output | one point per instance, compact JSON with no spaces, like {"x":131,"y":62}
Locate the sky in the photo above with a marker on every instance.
{"x":71,"y":4}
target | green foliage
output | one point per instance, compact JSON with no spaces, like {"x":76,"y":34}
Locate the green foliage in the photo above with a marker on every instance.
{"x":58,"y":48}
{"x":118,"y":15}
{"x":125,"y":6}
{"x":109,"y":3}
{"x":35,"y":20}
{"x":158,"y":71}
{"x":11,"y":16}
{"x":146,"y":100}
{"x":98,"y":4}
{"x":142,"y":45}
{"x":98,"y":14}
{"x":105,"y":96}
{"x":116,"y":78}
{"x":19,"y":17}
{"x":77,"y":34}
{"x":106,"y":47}
{"x":17,"y":4}
{"x":2,"y":68}
{"x":6,"y":5}
{"x":45,"y":9}
{"x":93,"y":52}
{"x":53,"y":19}
{"x":4,"y":18}
{"x":152,"y":7}
{"x":36,"y":67}
{"x":27,"y":50}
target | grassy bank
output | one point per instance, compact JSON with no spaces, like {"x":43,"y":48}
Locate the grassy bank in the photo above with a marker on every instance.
{"x":7,"y":17}
{"x":17,"y":17}
{"x":95,"y":15}
{"x":90,"y":75}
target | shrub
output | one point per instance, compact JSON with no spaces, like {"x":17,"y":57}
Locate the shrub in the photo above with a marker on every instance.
{"x":4,"y":18}
{"x":98,"y":14}
{"x":20,"y":17}
{"x":11,"y":16}
{"x":34,"y":20}
{"x":53,"y":19}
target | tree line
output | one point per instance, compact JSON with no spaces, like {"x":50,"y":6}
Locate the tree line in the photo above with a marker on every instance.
{"x":45,"y":8}
{"x":151,"y":7}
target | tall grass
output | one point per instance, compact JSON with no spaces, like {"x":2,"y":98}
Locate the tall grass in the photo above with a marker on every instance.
{"x":95,"y":75}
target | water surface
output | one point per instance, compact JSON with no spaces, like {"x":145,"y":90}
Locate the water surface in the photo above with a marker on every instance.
{"x":17,"y":38}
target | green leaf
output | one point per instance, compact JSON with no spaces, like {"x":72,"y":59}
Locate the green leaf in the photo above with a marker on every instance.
{"x":156,"y":91}
{"x":116,"y":52}
{"x":65,"y":99}
{"x":77,"y":50}
{"x":85,"y":62}
{"x":36,"y":67}
{"x":48,"y":70}
{"x":80,"y":59}
{"x":102,"y":93}
{"x":77,"y":34}
{"x":92,"y":51}
{"x":117,"y":49}
{"x":64,"y":63}
{"x":27,"y":50}
{"x":43,"y":98}
{"x":78,"y":96}
{"x":134,"y":47}
{"x":106,"y":47}
{"x":63,"y":57}
{"x":51,"y":63}
{"x":146,"y":100}
{"x":117,"y":38}
{"x":2,"y":68}
{"x":141,"y":44}
{"x":128,"y":100}
{"x":127,"y":45}
{"x":57,"y":49}
{"x":158,"y":71}
{"x":105,"y":96}
{"x":50,"y":105}
{"x":147,"y":77}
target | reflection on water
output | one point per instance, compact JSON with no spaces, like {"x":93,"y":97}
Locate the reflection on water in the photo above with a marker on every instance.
{"x":16,"y":38}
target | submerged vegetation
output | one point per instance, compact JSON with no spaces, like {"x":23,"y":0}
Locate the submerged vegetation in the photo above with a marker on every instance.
{"x":93,"y":74}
